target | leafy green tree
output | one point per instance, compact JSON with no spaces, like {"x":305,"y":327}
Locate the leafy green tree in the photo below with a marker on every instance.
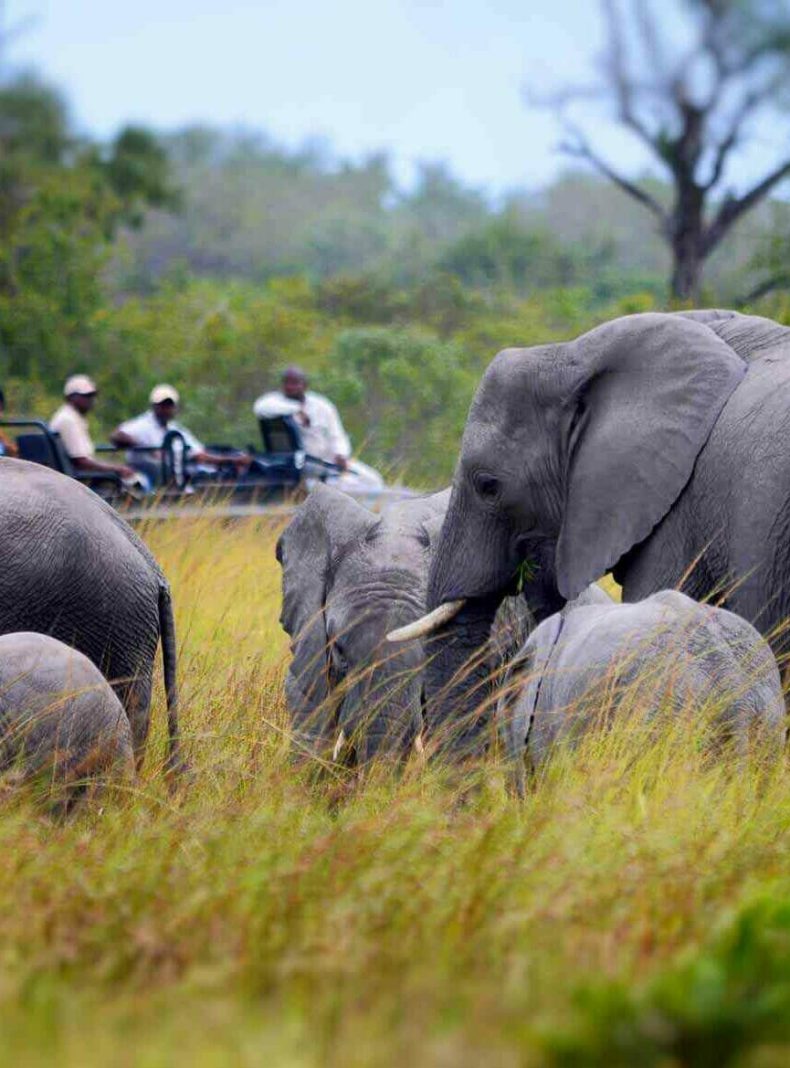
{"x":137,"y":170}
{"x":34,"y":122}
{"x":504,"y":254}
{"x":62,"y":201}
{"x":50,"y":270}
{"x":404,"y":395}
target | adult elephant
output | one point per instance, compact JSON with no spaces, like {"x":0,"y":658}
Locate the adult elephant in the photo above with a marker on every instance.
{"x":350,"y":576}
{"x":73,"y":569}
{"x":653,"y":446}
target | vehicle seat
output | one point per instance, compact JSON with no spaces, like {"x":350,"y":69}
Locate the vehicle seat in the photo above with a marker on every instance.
{"x":37,"y":449}
{"x":281,"y":434}
{"x":283,"y":446}
{"x":47,"y":450}
{"x":282,"y":459}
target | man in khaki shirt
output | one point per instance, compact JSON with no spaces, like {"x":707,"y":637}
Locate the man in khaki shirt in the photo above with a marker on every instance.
{"x":70,"y":423}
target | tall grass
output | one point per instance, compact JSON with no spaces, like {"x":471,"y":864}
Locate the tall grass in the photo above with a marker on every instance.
{"x":634,"y":909}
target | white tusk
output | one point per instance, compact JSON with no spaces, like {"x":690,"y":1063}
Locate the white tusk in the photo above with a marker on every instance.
{"x":341,"y":741}
{"x":419,"y":745}
{"x":427,"y":624}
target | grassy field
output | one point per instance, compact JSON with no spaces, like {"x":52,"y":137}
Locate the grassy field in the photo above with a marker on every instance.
{"x":634,"y":910}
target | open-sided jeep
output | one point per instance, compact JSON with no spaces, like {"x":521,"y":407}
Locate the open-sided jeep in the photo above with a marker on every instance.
{"x":280,"y":468}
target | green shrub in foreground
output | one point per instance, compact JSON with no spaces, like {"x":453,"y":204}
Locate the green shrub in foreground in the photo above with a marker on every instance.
{"x":712,"y":1007}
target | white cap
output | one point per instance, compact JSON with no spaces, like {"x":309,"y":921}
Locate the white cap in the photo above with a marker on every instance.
{"x":162,"y":393}
{"x":79,"y":384}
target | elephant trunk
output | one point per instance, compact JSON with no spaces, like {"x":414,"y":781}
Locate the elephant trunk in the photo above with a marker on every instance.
{"x":471,"y":570}
{"x":457,"y":682}
{"x":475,"y":566}
{"x":381,"y":715}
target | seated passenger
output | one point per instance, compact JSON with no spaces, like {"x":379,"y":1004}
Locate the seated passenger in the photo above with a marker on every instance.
{"x":147,"y":431}
{"x":70,"y":424}
{"x":322,"y":431}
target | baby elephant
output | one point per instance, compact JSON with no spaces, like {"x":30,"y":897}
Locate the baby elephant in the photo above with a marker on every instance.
{"x":60,"y":722}
{"x":664,"y":653}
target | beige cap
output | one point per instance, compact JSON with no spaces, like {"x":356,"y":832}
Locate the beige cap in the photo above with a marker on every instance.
{"x":162,"y":393}
{"x":79,"y":384}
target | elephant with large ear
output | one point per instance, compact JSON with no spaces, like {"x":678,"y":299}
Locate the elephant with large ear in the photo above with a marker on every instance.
{"x":350,"y":577}
{"x":73,"y":569}
{"x":666,"y":654}
{"x":652,"y":447}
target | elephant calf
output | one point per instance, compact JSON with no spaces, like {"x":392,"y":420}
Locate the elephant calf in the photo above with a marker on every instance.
{"x":60,"y":722}
{"x":666,"y":652}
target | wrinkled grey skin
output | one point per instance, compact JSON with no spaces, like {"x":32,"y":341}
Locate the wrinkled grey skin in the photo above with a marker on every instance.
{"x":653,"y":446}
{"x":665,"y":653}
{"x":349,"y":577}
{"x":60,"y":721}
{"x":73,"y":569}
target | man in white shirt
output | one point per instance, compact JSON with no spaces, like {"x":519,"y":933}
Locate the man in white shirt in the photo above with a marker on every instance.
{"x":322,"y":431}
{"x":70,"y":424}
{"x":147,"y":431}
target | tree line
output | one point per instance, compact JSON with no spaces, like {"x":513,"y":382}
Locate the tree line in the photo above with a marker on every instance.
{"x":211,"y":257}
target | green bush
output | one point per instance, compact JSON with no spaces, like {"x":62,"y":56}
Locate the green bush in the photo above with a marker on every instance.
{"x":404,"y":395}
{"x":708,"y":1010}
{"x":401,"y":364}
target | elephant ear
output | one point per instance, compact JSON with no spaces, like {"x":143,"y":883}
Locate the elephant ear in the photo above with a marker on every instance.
{"x":326,"y":522}
{"x":424,"y":516}
{"x":649,"y":391}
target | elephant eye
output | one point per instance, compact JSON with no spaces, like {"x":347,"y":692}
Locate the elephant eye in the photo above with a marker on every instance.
{"x":339,"y":661}
{"x":486,"y":486}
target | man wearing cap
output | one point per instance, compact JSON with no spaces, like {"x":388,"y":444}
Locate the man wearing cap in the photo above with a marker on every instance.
{"x":147,"y":431}
{"x":70,"y":423}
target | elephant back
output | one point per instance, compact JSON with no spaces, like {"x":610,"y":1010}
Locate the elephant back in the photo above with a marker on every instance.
{"x":71,"y":566}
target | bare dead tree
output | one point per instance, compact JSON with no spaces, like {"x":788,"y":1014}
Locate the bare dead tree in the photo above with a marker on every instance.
{"x":692,"y":107}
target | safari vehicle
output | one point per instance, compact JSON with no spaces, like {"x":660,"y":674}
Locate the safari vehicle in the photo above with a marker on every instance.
{"x":280,"y":469}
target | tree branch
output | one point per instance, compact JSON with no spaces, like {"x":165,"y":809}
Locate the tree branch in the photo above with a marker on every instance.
{"x":730,"y":140}
{"x":768,"y":285}
{"x":651,"y":40}
{"x":580,"y":148}
{"x":751,"y":101}
{"x":623,"y":83}
{"x":734,"y":207}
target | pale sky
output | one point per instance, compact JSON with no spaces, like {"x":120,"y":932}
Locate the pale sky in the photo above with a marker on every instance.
{"x":422,"y":79}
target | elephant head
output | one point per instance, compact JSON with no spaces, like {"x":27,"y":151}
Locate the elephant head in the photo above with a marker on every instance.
{"x":571,"y":455}
{"x":349,"y":577}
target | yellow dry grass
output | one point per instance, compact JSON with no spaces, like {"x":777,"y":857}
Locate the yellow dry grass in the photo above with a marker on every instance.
{"x":635,"y":909}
